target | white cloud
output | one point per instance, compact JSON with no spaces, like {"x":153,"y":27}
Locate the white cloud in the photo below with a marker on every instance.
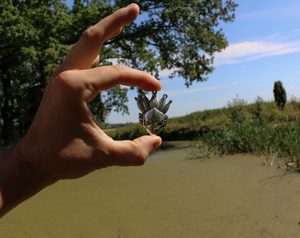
{"x":253,"y":50}
{"x":193,"y":90}
{"x":208,"y":88}
{"x":244,"y":52}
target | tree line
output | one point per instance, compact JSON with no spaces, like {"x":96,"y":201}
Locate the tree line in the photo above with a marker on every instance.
{"x":35,"y":36}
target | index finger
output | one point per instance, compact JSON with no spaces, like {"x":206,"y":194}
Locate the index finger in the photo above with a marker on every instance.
{"x":106,"y":77}
{"x":87,"y":48}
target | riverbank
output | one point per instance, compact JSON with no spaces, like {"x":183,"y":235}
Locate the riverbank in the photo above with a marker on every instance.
{"x":170,"y":196}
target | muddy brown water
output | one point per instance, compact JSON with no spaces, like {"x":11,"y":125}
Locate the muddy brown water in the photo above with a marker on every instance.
{"x":170,"y":196}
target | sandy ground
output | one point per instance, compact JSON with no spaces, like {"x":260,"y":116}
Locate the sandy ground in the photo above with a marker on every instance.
{"x":171,"y":196}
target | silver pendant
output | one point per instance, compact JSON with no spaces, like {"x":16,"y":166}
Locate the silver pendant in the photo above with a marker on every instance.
{"x":153,"y":112}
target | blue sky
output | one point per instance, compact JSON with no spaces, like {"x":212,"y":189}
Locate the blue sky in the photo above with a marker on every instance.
{"x":264,"y":46}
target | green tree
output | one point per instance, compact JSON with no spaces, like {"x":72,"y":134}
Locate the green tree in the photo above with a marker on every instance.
{"x":181,"y":36}
{"x":279,"y":94}
{"x":31,"y":45}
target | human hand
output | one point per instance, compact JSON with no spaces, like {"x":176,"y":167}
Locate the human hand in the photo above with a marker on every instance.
{"x":64,"y":141}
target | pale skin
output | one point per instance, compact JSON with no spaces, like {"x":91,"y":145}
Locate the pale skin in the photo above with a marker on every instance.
{"x":64,"y":141}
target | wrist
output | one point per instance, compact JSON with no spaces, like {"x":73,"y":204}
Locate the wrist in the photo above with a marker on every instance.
{"x":19,"y":180}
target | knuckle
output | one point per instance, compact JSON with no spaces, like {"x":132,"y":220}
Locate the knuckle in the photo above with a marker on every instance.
{"x":92,"y":34}
{"x":130,"y":155}
{"x":140,"y":156}
{"x":104,"y":158}
{"x":67,"y":81}
{"x":63,"y":76}
{"x":117,"y":16}
{"x":119,"y":70}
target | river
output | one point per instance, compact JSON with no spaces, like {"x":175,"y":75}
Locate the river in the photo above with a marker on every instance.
{"x":170,"y":196}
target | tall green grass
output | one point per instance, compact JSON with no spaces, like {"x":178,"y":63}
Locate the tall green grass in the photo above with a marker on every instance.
{"x":239,"y":127}
{"x":283,"y":140}
{"x":197,"y":124}
{"x":259,"y":128}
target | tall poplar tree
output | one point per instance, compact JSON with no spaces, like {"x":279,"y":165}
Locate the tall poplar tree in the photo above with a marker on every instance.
{"x":279,"y":94}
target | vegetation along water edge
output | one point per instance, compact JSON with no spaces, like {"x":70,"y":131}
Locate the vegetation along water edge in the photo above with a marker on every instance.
{"x":260,"y":127}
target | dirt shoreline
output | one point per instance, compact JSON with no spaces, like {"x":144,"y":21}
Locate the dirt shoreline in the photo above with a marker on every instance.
{"x":170,"y":196}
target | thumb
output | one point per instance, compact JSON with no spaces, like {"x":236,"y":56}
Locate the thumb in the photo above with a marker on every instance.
{"x":148,"y":142}
{"x":136,"y":152}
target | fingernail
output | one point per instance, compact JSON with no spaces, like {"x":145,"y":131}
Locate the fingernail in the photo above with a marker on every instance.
{"x":157,"y":142}
{"x":133,"y":4}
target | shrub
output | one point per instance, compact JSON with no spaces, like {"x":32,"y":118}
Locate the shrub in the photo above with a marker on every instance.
{"x":257,"y":110}
{"x":236,"y":110}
